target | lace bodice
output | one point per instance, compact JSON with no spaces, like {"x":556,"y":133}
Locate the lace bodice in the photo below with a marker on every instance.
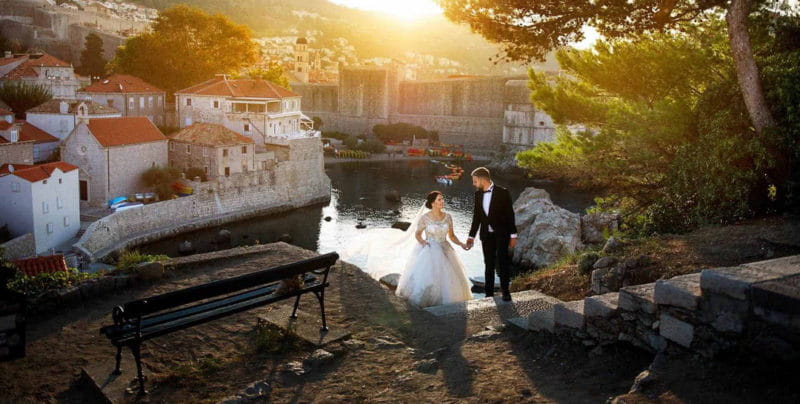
{"x":436,"y":230}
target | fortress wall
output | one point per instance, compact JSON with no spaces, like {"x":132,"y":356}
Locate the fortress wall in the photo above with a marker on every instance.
{"x":364,"y":92}
{"x":472,"y":132}
{"x":318,"y":98}
{"x":482,"y":97}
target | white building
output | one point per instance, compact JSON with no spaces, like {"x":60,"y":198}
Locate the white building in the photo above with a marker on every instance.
{"x":40,"y":199}
{"x":42,"y":69}
{"x":258,"y":109}
{"x":59,"y":117}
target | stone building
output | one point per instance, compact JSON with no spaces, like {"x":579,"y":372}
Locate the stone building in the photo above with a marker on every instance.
{"x":112,"y":154}
{"x":474,"y":111}
{"x":42,"y":200}
{"x":13,"y":150}
{"x":302,"y":62}
{"x":258,"y":109}
{"x":215,"y":149}
{"x":128,"y":94}
{"x":59,"y":117}
{"x":41,"y":69}
{"x":44,"y":144}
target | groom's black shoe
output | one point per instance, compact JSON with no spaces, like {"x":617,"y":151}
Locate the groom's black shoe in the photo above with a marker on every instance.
{"x":506,"y":297}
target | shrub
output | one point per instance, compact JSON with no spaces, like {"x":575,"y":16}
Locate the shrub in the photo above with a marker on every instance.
{"x":335,"y":135}
{"x":401,"y":131}
{"x":586,"y":261}
{"x":21,"y":96}
{"x":45,"y":282}
{"x":372,"y":146}
{"x":196,"y":172}
{"x":160,"y":179}
{"x":130,"y":259}
{"x":351,"y":142}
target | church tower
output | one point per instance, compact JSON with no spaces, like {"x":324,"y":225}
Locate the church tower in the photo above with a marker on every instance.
{"x":301,"y":60}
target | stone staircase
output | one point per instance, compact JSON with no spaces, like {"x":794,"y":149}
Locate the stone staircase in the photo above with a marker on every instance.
{"x":704,"y":312}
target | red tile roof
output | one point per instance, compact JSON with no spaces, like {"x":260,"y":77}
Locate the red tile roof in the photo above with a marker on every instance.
{"x":124,"y":131}
{"x":30,"y":132}
{"x":40,"y":265}
{"x":220,"y":86}
{"x":38,"y":172}
{"x":210,"y":134}
{"x":26,"y":68}
{"x":122,"y":83}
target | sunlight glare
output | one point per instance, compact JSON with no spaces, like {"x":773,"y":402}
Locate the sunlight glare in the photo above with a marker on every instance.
{"x":406,"y":9}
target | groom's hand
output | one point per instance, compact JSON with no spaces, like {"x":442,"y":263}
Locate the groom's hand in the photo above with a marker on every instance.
{"x":470,"y":243}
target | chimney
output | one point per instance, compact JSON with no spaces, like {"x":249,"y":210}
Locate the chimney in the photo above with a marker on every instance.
{"x":8,"y":55}
{"x":63,"y":107}
{"x":14,"y":133}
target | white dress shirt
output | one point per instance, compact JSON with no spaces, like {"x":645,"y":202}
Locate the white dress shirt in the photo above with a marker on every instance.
{"x":487,"y":201}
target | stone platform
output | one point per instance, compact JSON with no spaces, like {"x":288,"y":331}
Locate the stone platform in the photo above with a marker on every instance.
{"x":306,"y":326}
{"x":111,"y":388}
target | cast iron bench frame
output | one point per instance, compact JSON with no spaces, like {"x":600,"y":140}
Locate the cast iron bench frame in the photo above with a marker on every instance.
{"x":140,"y":320}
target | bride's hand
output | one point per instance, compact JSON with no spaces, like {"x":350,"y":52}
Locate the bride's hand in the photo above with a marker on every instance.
{"x":424,"y":243}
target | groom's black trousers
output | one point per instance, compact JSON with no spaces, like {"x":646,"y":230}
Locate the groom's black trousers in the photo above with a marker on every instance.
{"x":495,"y":255}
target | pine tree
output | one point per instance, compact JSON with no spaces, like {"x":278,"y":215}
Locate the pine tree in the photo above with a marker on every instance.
{"x":92,"y":62}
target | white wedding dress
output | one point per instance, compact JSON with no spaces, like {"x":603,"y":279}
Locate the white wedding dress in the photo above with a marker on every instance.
{"x":429,"y":275}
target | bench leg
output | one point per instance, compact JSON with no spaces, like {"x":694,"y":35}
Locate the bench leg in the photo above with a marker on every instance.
{"x":321,"y":297}
{"x":137,"y":355}
{"x":296,"y":303}
{"x":117,"y":370}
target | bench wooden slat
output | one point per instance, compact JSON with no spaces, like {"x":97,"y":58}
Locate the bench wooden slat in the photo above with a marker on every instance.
{"x":192,"y":294}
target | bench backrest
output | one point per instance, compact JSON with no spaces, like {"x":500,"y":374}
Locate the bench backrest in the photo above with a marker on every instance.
{"x":154,"y":304}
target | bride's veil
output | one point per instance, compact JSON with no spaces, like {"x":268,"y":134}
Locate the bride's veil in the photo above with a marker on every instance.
{"x":386,"y":250}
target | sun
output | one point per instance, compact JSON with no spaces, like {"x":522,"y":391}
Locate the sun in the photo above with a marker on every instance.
{"x":404,"y":9}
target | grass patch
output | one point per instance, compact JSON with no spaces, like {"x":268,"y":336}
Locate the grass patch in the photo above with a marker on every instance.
{"x":269,"y":339}
{"x":128,"y":260}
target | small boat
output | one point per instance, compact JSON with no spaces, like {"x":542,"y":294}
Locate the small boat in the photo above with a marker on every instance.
{"x":128,"y":205}
{"x":444,"y":181}
{"x":116,"y":201}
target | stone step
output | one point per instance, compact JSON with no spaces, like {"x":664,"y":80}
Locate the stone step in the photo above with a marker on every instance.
{"x":569,"y":314}
{"x":542,"y":320}
{"x":493,"y":310}
{"x":603,"y":306}
{"x":518,"y":322}
{"x":681,"y":291}
{"x":638,"y":298}
{"x":736,"y":282}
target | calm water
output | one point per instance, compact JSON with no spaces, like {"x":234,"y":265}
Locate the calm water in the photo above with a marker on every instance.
{"x":358,"y":194}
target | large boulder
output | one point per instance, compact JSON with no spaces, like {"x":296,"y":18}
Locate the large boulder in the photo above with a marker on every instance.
{"x":546,"y":232}
{"x":594,"y":225}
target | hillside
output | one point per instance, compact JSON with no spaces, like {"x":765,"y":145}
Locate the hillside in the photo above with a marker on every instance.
{"x":372,"y":34}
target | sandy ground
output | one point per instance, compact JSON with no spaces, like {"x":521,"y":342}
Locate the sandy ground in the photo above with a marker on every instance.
{"x":380,"y":363}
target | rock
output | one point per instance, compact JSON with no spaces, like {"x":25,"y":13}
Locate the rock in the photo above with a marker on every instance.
{"x":597,"y":351}
{"x":643,"y":381}
{"x":391,"y":280}
{"x":586,"y":262}
{"x":504,"y":163}
{"x":606,"y":280}
{"x":387,"y":343}
{"x":296,"y":368}
{"x":546,"y":231}
{"x":150,"y":271}
{"x":255,"y":391}
{"x":328,"y":218}
{"x":286,"y":238}
{"x":484,"y":335}
{"x":611,"y":245}
{"x":361,"y":225}
{"x":676,"y":330}
{"x":223,"y":236}
{"x":319,"y":358}
{"x":426,"y":365}
{"x":186,"y":248}
{"x":595,"y":226}
{"x":392,"y":196}
{"x":401,"y":225}
{"x":605,"y":262}
{"x":354,"y":344}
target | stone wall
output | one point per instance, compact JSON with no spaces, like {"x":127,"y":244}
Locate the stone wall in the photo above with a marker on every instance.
{"x":297,"y":182}
{"x":23,"y":246}
{"x":467,"y":97}
{"x":16,"y":153}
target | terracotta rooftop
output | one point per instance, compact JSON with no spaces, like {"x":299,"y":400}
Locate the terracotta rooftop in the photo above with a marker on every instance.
{"x":40,"y":265}
{"x":26,"y":68}
{"x":224,"y":87}
{"x":210,"y":134}
{"x":38,"y":172}
{"x":121,"y":83}
{"x":124,"y":131}
{"x":29,"y":132}
{"x":54,"y":107}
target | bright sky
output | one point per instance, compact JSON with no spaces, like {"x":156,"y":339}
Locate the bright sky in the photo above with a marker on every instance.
{"x":406,"y":9}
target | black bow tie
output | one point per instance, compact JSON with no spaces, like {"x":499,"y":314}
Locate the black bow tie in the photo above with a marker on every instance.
{"x":489,"y":191}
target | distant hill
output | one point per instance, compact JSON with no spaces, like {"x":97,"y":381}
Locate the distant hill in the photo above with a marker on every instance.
{"x":372,"y":34}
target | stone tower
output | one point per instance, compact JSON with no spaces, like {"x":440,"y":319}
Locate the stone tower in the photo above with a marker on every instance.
{"x":302,"y":63}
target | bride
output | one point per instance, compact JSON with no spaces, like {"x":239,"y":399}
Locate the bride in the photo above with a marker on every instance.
{"x":431,"y":273}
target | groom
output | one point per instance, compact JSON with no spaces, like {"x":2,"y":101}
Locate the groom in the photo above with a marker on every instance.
{"x":494,"y":215}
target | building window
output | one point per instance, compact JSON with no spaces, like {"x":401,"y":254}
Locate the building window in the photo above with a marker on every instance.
{"x":45,"y":207}
{"x":110,"y":102}
{"x":59,"y":202}
{"x":205,"y":169}
{"x":205,"y":152}
{"x":188,"y":102}
{"x":44,"y":182}
{"x":216,"y":104}
{"x":60,"y":181}
{"x":66,"y":221}
{"x":227,"y":171}
{"x":188,"y":148}
{"x":224,"y":152}
{"x":247,"y":127}
{"x":49,"y":228}
{"x":244,"y":149}
{"x":14,"y":186}
{"x":188,"y":121}
{"x":131,"y":103}
{"x":150,"y":101}
{"x":159,"y":100}
{"x":141,"y":102}
{"x":172,"y":146}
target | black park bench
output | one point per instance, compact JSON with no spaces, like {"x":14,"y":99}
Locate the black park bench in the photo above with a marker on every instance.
{"x":140,"y":320}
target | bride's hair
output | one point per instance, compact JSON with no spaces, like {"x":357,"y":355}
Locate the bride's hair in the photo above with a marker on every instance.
{"x":431,"y":198}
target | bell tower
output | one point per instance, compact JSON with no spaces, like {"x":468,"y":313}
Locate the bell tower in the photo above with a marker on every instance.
{"x":302,"y":63}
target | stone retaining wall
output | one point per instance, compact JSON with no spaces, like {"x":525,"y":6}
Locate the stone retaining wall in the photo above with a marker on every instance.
{"x":298,"y":182}
{"x":21,"y":247}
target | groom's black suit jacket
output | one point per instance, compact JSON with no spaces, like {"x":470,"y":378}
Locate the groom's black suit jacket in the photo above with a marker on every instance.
{"x":501,"y":214}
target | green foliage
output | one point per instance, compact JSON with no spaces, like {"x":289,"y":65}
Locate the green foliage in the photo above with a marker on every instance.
{"x":317,"y":123}
{"x":351,"y":142}
{"x":274,"y":73}
{"x":193,"y":172}
{"x":186,"y":46}
{"x":335,"y":135}
{"x":586,"y":261}
{"x":160,"y":179}
{"x":22,"y":96}
{"x":46,"y":282}
{"x":130,"y":259}
{"x":271,"y":340}
{"x":93,"y":64}
{"x":372,"y":146}
{"x":401,"y":131}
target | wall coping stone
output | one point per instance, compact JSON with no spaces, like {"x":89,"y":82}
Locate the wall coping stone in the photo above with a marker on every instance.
{"x":681,"y":291}
{"x":602,"y":305}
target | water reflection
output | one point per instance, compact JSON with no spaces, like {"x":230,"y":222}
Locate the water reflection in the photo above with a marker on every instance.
{"x":358,"y":195}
